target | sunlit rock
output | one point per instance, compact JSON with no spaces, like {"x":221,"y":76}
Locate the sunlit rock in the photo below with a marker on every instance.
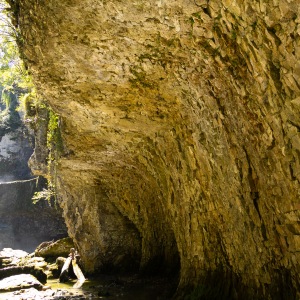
{"x":12,"y":256}
{"x":55,"y":249}
{"x":180,"y":122}
{"x":17,"y":282}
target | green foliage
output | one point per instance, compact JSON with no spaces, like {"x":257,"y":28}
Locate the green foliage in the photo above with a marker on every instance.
{"x":18,"y":93}
{"x":13,"y":74}
{"x":55,"y":148}
{"x":5,"y":99}
{"x":28,"y":103}
{"x":14,"y":79}
{"x":54,"y":140}
{"x":45,"y":194}
{"x":9,"y":118}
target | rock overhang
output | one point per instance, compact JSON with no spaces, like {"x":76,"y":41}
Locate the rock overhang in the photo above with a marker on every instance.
{"x":178,"y":122}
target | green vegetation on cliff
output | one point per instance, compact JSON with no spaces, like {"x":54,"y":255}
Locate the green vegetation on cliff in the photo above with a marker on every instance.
{"x":18,"y":94}
{"x":9,"y":118}
{"x":15,"y":81}
{"x":13,"y":73}
{"x":54,"y":147}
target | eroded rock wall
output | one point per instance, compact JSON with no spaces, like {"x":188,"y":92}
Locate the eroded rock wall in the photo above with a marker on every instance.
{"x":181,"y":124}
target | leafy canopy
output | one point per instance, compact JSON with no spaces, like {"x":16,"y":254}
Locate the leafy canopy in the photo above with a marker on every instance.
{"x":13,"y":74}
{"x":15,"y":83}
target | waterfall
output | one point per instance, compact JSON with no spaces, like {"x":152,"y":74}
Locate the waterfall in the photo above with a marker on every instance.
{"x":24,"y":225}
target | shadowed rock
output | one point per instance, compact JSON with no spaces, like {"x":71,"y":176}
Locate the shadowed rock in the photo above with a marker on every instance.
{"x":17,"y":270}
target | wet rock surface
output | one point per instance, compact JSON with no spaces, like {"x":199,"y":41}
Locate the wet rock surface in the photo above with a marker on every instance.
{"x":127,"y":288}
{"x":26,"y":286}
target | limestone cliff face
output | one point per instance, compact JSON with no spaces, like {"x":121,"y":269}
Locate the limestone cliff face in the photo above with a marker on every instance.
{"x":16,"y":143}
{"x":24,"y":225}
{"x":181,"y":124}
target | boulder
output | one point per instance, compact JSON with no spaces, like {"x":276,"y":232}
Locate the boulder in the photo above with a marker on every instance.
{"x":55,"y":249}
{"x":18,"y":270}
{"x":21,"y":281}
{"x":60,"y":262}
{"x":9,"y":256}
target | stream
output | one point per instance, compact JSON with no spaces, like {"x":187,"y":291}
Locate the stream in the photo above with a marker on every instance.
{"x":102,"y":287}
